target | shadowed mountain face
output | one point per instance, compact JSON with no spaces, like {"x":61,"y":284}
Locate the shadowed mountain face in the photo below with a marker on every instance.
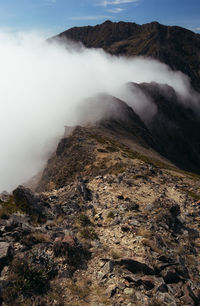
{"x":175,"y":127}
{"x":177,"y":47}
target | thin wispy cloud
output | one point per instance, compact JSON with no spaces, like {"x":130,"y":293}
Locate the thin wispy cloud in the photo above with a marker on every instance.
{"x":106,"y":3}
{"x":116,"y":10}
{"x":193,"y":29}
{"x":50,"y":2}
{"x":92,"y":17}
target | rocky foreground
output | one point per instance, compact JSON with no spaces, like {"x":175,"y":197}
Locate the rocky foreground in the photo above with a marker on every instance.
{"x":107,"y":226}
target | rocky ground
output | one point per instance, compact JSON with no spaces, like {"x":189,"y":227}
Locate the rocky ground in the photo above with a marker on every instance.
{"x":119,"y":228}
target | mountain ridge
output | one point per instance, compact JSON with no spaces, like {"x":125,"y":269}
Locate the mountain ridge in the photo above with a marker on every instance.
{"x":115,"y":216}
{"x":178,"y":47}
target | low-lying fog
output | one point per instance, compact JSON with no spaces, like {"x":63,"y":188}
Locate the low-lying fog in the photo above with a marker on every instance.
{"x":42,"y":86}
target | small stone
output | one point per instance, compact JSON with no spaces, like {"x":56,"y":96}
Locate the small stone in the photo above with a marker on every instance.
{"x":120,"y":197}
{"x":107,"y":268}
{"x":166,"y":298}
{"x":133,"y":206}
{"x":100,"y":275}
{"x":121,"y":286}
{"x":163,"y":288}
{"x":129,"y":291}
{"x":150,"y":207}
{"x":171,"y":277}
{"x":125,"y":228}
{"x":148,"y":282}
{"x":4,"y":250}
{"x":111,"y":290}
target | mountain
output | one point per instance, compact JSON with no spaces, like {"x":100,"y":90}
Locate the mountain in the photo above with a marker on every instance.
{"x":177,"y":47}
{"x":114,"y":219}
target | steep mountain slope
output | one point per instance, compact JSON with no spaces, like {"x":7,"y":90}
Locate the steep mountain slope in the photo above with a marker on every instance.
{"x":177,"y":47}
{"x":112,"y":226}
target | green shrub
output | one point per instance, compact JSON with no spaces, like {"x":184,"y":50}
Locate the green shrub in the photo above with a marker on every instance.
{"x":84,"y":220}
{"x":194,"y":195}
{"x":25,"y":280}
{"x":111,"y":215}
{"x":28,"y":277}
{"x":102,"y":151}
{"x":4,"y":214}
{"x":115,"y":255}
{"x":112,"y":149}
{"x":10,"y":207}
{"x":88,"y":233}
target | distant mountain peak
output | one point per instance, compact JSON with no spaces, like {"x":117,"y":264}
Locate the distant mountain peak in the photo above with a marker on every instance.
{"x":179,"y":48}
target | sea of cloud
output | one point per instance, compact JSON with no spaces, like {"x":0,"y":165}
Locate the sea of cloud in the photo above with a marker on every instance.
{"x":43,"y":85}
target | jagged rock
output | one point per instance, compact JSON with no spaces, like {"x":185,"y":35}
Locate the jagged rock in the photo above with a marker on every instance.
{"x":4,"y":196}
{"x":30,"y":202}
{"x":163,"y":288}
{"x":132,"y":206}
{"x":108,"y":267}
{"x":121,"y":285}
{"x":165,"y":299}
{"x":70,"y":207}
{"x":173,"y":223}
{"x":111,"y":290}
{"x":16,"y":220}
{"x":171,"y":277}
{"x":135,"y":266}
{"x":145,"y":281}
{"x":148,"y":282}
{"x":6,"y":252}
{"x":84,"y":191}
{"x":141,"y":298}
{"x":188,"y":297}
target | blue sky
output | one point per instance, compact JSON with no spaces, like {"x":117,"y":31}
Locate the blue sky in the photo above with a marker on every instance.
{"x":54,"y":16}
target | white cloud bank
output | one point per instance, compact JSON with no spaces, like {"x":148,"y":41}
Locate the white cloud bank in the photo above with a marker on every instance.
{"x":41,"y":89}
